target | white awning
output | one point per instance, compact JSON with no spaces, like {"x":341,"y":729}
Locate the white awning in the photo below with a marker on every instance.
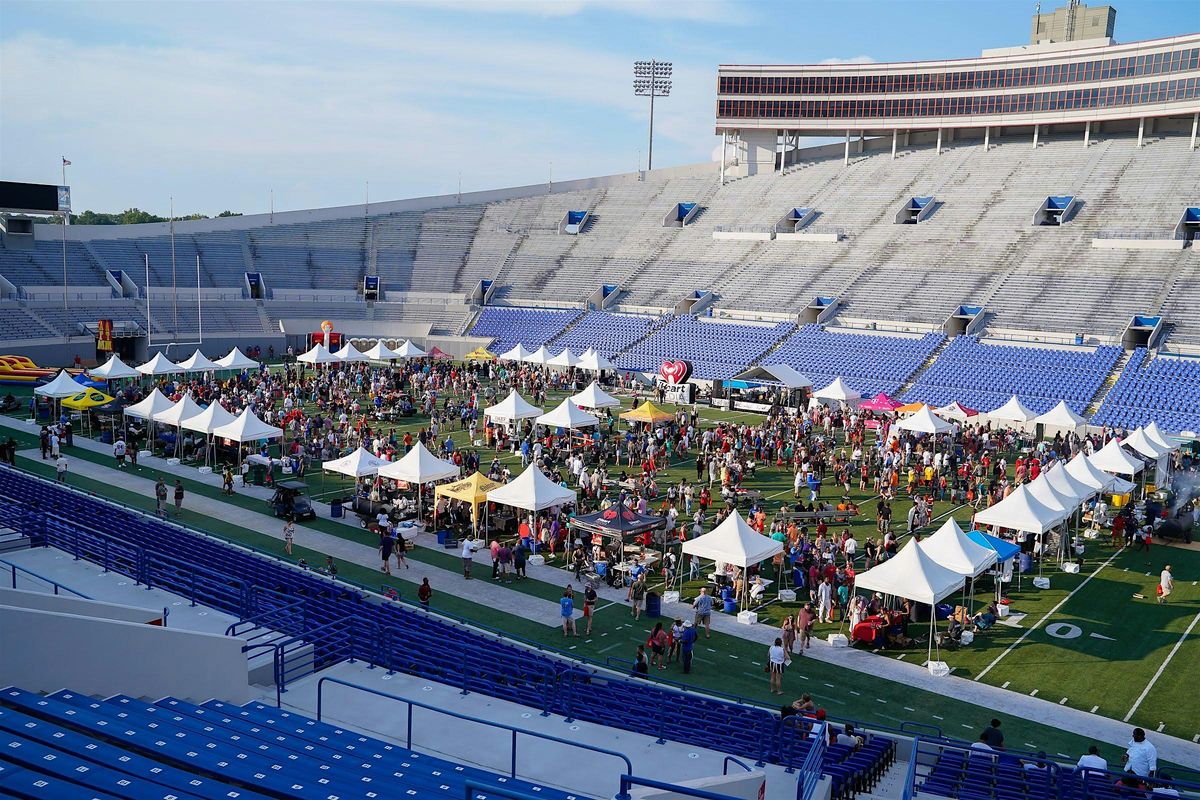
{"x":356,"y":465}
{"x":568,"y":415}
{"x":924,"y":422}
{"x":532,"y":491}
{"x":564,"y":359}
{"x":957,"y":552}
{"x":319,"y":354}
{"x":911,"y":574}
{"x":419,"y":466}
{"x":1156,"y":435}
{"x":236,"y":359}
{"x":1066,"y":483}
{"x":1111,"y":458}
{"x":248,"y":428}
{"x":381,"y":352}
{"x":1012,"y":411}
{"x":595,"y":397}
{"x":148,"y":406}
{"x":1062,"y":418}
{"x":62,"y":386}
{"x":511,"y":408}
{"x":838,"y":390}
{"x":784,"y":375}
{"x":1141,"y":442}
{"x":209,"y":419}
{"x":518,"y":353}
{"x":198,"y":362}
{"x":184,"y":408}
{"x":410,"y":350}
{"x":1020,"y":511}
{"x":593,"y":361}
{"x":540,"y":356}
{"x":350,"y":354}
{"x":1083,"y":470}
{"x":113,"y":369}
{"x":159,"y":365}
{"x":734,"y":542}
{"x":1044,"y":492}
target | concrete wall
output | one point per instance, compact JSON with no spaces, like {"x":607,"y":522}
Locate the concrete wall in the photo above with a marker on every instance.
{"x":66,"y":604}
{"x":45,"y":651}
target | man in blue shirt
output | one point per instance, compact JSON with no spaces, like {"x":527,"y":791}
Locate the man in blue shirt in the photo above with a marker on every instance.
{"x":687,"y":641}
{"x":567,"y":606}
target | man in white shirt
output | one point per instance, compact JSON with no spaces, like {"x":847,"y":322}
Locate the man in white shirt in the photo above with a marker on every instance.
{"x":1141,"y":758}
{"x":468,"y":554}
{"x":1092,"y":760}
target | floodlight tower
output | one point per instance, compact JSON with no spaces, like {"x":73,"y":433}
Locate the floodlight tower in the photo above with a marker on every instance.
{"x":651,"y":79}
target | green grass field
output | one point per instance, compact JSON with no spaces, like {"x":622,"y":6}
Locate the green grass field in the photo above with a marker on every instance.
{"x":1071,"y":666}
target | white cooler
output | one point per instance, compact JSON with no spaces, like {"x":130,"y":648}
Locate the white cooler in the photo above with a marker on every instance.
{"x":537,"y":561}
{"x":205,"y":470}
{"x":838,"y":640}
{"x":747,"y":617}
{"x":1003,"y":610}
{"x":939,"y":669}
{"x":1041,"y":583}
{"x":1070,"y":566}
{"x":787,"y":595}
{"x":670,"y":597}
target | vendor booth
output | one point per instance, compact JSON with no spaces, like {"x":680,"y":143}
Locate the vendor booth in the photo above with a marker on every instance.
{"x":762,"y":388}
{"x":649,"y":414}
{"x":734,"y":543}
{"x":472,"y":490}
{"x":617,"y":532}
{"x":419,"y":467}
{"x":838,"y":392}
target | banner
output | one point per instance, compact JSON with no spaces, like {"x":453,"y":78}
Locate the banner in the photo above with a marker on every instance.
{"x":675,"y":372}
{"x":104,"y":335}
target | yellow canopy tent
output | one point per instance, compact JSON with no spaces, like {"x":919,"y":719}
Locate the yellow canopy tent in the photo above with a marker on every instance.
{"x":648,"y":412}
{"x":472,"y":489}
{"x":87,"y":399}
{"x":480,"y":354}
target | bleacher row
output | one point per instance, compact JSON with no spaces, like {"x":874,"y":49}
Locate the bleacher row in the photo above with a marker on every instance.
{"x":70,"y":747}
{"x":340,"y":623}
{"x":1162,"y":389}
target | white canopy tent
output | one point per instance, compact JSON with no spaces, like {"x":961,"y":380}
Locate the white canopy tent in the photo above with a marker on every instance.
{"x":114,"y":369}
{"x":734,"y":542}
{"x":184,"y":408}
{"x":912,"y":574}
{"x":1140,"y":442}
{"x":381,"y":352}
{"x":1061,"y":419}
{"x":1014,"y":414}
{"x":568,"y":415}
{"x":419,"y":466}
{"x":924,"y":422}
{"x":1083,"y":470}
{"x":1045,"y":493}
{"x":208,"y":420}
{"x":511,"y":409}
{"x":518,"y":353}
{"x":838,"y":392}
{"x":356,"y":465}
{"x":62,"y":386}
{"x":319,"y":354}
{"x":1155,"y":434}
{"x":236,"y":359}
{"x":1021,"y":511}
{"x":198,"y":362}
{"x":350,"y":354}
{"x":410,"y":350}
{"x":148,"y":406}
{"x":1111,"y":458}
{"x":1067,"y":484}
{"x":247,"y":428}
{"x":564,"y":359}
{"x":954,"y":550}
{"x":531,"y":491}
{"x":594,"y":397}
{"x":159,"y":365}
{"x":592,"y":361}
{"x":539,"y":356}
{"x":955,"y":411}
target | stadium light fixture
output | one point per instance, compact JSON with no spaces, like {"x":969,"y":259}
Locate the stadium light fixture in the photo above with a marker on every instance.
{"x":651,"y":79}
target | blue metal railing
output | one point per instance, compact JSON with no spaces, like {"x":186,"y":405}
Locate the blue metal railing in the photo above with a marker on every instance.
{"x":624,"y":795}
{"x":731,"y":760}
{"x":630,"y":781}
{"x":14,"y":569}
{"x":810,"y":768}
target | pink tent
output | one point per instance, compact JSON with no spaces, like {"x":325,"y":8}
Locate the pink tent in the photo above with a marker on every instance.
{"x":880,"y":402}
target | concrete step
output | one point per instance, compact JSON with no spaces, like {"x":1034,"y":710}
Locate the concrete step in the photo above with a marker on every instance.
{"x":12,"y":540}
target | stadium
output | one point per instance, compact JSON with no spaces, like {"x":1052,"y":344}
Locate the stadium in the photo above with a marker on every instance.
{"x":859,"y":462}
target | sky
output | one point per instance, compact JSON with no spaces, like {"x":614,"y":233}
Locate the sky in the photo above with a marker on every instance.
{"x":222,"y":105}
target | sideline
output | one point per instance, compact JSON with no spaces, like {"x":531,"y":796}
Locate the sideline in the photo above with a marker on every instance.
{"x":1161,"y":668}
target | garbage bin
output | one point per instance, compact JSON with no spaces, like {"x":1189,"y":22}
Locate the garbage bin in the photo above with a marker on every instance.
{"x":730,"y":606}
{"x":653,"y":605}
{"x":258,"y":474}
{"x":335,"y":509}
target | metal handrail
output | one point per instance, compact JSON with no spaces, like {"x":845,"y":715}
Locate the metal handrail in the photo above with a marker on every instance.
{"x":910,"y":777}
{"x":738,"y":761}
{"x":624,"y":795}
{"x":473,"y":790}
{"x":15,"y":568}
{"x":277,"y":665}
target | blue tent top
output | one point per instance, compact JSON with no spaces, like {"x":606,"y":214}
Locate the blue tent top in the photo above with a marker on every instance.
{"x":1004,"y":549}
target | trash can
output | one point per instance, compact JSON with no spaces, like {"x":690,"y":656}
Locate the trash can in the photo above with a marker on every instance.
{"x":335,"y":509}
{"x":730,"y":606}
{"x":1025,"y":563}
{"x":653,"y":605}
{"x":258,"y":474}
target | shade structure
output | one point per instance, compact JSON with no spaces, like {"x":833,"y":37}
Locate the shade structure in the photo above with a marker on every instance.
{"x":1083,"y":470}
{"x":89,"y":398}
{"x":1066,"y":484}
{"x":1020,"y":511}
{"x":350,"y":354}
{"x":473,"y":489}
{"x":419,"y":466}
{"x":410,"y":350}
{"x":592,"y":361}
{"x":1111,"y":458}
{"x":236,"y":359}
{"x":734,"y":542}
{"x":435,"y":352}
{"x":924,"y":422}
{"x":114,"y":369}
{"x":1014,"y":412}
{"x":184,"y":408}
{"x":956,"y":411}
{"x":838,"y":391}
{"x":61,"y":387}
{"x":358,"y":464}
{"x":647,"y":412}
{"x":1155,"y":434}
{"x":198,"y":362}
{"x":319,"y":354}
{"x":247,"y":428}
{"x":780,"y":375}
{"x":1045,"y":493}
{"x":1141,"y":442}
{"x":208,"y":420}
{"x":480,"y":354}
{"x":381,"y":352}
{"x":532,"y":491}
{"x":954,"y":550}
{"x":618,"y":520}
{"x":880,"y":402}
{"x":518,"y":353}
{"x":512,"y":408}
{"x":911,"y":573}
{"x":568,"y":415}
{"x":595,"y":397}
{"x":1004,"y":549}
{"x":148,"y":406}
{"x":539,"y":356}
{"x":159,"y":365}
{"x":910,"y":408}
{"x":1061,"y":418}
{"x":564,"y":359}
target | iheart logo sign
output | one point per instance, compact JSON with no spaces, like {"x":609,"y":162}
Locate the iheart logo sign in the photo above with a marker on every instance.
{"x":675,"y":372}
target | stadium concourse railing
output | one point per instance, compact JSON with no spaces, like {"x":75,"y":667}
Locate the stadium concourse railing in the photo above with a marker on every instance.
{"x":14,"y":570}
{"x":343,"y":639}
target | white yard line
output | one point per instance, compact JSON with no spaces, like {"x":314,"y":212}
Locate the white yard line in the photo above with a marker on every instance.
{"x":1048,"y":615}
{"x":1162,"y":667}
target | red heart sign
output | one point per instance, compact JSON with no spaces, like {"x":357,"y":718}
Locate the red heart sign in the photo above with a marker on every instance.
{"x":675,"y":372}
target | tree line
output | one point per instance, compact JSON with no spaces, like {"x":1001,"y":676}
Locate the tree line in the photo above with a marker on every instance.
{"x":130,"y":216}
